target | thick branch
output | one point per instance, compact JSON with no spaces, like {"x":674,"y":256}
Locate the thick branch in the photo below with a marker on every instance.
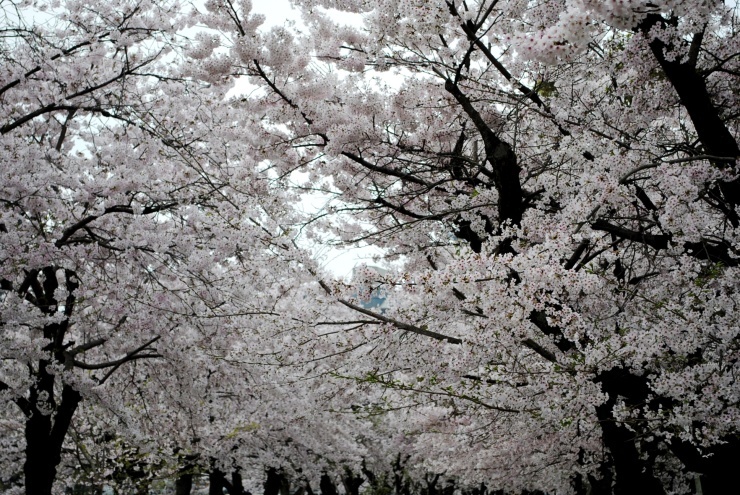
{"x":114,"y":365}
{"x":398,"y":324}
{"x":407,"y":176}
{"x":21,"y":402}
{"x":69,"y":356}
{"x":409,"y":213}
{"x":531,"y":344}
{"x":718,"y":252}
{"x":282,"y":95}
{"x":30,"y":116}
{"x":577,"y":254}
{"x":694,"y":95}
{"x":718,"y":159}
{"x":70,"y":231}
{"x":33,"y":71}
{"x":501,"y":157}
{"x":539,"y":319}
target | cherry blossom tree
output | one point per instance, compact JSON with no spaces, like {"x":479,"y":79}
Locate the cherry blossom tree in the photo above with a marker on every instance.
{"x":140,"y":246}
{"x":154,"y":302}
{"x":558,"y":181}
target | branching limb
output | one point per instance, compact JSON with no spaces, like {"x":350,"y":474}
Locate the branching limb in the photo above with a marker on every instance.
{"x":720,"y":251}
{"x":407,"y":176}
{"x":114,"y":365}
{"x":21,"y":402}
{"x":72,"y":229}
{"x":398,"y":324}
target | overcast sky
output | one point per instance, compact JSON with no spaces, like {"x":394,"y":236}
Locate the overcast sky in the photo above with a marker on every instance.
{"x":276,"y":11}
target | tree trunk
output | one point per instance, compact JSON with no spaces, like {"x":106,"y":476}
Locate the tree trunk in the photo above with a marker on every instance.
{"x":273,"y":482}
{"x":717,"y":465}
{"x":632,"y":474}
{"x":184,"y":484}
{"x":721,"y":471}
{"x":237,"y":486}
{"x":216,"y":482}
{"x":326,"y":485}
{"x":44,"y":437}
{"x":352,"y":483}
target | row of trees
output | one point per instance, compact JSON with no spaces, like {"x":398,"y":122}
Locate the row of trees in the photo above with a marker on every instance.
{"x":553,"y":187}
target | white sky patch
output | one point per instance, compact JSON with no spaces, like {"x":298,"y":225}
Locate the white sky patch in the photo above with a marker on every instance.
{"x":338,"y":260}
{"x":341,"y":262}
{"x":276,"y":12}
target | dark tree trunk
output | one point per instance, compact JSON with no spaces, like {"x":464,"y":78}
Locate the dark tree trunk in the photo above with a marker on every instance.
{"x":352,"y":483}
{"x":400,"y":482}
{"x":44,"y":438}
{"x":431,"y":482}
{"x":284,"y":484}
{"x":184,"y":484}
{"x":717,"y":466}
{"x":216,"y":482}
{"x":326,"y":485}
{"x":632,"y":468}
{"x":307,"y":487}
{"x":237,"y":485}
{"x":632,"y":474}
{"x":721,"y":469}
{"x":184,"y":481}
{"x":589,"y":485}
{"x":273,"y":482}
{"x":47,"y":421}
{"x":601,"y":486}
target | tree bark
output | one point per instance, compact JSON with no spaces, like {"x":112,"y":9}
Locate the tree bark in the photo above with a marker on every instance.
{"x":632,"y":473}
{"x":237,"y":486}
{"x":216,"y":482}
{"x":44,"y":437}
{"x":326,"y":485}
{"x":184,"y":484}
